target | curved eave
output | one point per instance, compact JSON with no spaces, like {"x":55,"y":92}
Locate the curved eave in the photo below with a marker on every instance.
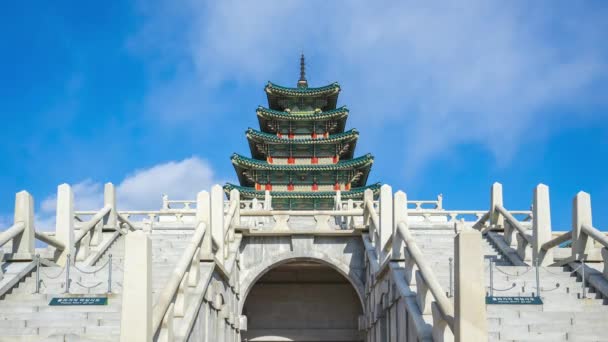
{"x":272,"y":114}
{"x":266,"y":138}
{"x":249,"y":193}
{"x":328,"y":90}
{"x":241,"y":162}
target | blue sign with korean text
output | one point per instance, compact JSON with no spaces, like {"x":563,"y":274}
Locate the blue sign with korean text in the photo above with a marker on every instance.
{"x":79,"y":301}
{"x":514,"y":300}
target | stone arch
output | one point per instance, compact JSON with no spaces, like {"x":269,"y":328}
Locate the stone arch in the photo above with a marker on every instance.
{"x":254,"y":274}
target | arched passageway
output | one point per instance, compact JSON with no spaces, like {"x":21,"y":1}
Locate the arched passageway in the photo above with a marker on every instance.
{"x":302,"y":301}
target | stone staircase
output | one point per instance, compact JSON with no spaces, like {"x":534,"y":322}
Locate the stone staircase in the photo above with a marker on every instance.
{"x":564,"y":315}
{"x":27,"y":316}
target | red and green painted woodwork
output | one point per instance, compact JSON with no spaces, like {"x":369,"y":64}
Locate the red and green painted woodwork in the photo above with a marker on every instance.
{"x":308,"y":123}
{"x":261,"y":175}
{"x":266,"y":146}
{"x":301,"y":152}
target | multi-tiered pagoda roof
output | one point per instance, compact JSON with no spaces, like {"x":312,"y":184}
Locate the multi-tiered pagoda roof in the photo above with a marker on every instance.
{"x":302,"y":153}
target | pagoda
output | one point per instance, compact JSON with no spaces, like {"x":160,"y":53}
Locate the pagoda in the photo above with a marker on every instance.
{"x":302,"y":154}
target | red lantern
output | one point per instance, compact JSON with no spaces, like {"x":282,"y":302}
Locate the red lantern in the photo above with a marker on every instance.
{"x":337,"y":186}
{"x":314,"y":135}
{"x":291,"y":135}
{"x":268,"y":186}
{"x":314,"y":160}
{"x":315,"y":186}
{"x":269,"y":159}
{"x":258,"y":187}
{"x":347,"y":186}
{"x":291,"y":160}
{"x":335,"y":159}
{"x":290,"y":187}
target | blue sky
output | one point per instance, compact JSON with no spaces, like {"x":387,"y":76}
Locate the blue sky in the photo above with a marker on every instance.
{"x":155,"y":96}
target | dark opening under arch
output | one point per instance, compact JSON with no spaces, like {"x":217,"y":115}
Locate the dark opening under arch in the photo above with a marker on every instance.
{"x":302,"y":301}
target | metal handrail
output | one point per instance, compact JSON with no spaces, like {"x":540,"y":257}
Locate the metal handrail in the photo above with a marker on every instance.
{"x":84,"y":230}
{"x":556,"y":241}
{"x":11,"y":233}
{"x":596,"y":235}
{"x":444,"y":304}
{"x":514,"y":223}
{"x":169,"y":291}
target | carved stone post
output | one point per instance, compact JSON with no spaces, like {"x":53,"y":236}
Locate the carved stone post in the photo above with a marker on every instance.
{"x":385,"y":215}
{"x":235,"y":196}
{"x":203,"y":214}
{"x":399,"y":215}
{"x":217,"y":217}
{"x":136,"y":318}
{"x":496,"y":220}
{"x":581,"y":215}
{"x":64,"y":225}
{"x":541,"y":225}
{"x":469,"y":302}
{"x":109,"y":198}
{"x":23,"y":244}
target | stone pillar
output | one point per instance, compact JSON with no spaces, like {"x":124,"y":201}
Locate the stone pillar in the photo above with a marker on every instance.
{"x":109,"y":198}
{"x":581,"y":215}
{"x":217,"y":217}
{"x":236,"y":219}
{"x":469,"y":302}
{"x":24,"y":243}
{"x":604,"y":254}
{"x":203,"y":214}
{"x":399,"y":215}
{"x":267,"y":200}
{"x":368,"y":194}
{"x":541,"y":233}
{"x":386,"y":214}
{"x":136,"y":318}
{"x":64,"y":225}
{"x":496,"y":199}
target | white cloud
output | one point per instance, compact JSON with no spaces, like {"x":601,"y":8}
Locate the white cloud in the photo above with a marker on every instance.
{"x":489,"y":73}
{"x":141,"y":190}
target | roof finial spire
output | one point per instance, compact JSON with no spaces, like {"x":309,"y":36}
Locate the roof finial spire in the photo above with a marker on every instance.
{"x":302,"y":83}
